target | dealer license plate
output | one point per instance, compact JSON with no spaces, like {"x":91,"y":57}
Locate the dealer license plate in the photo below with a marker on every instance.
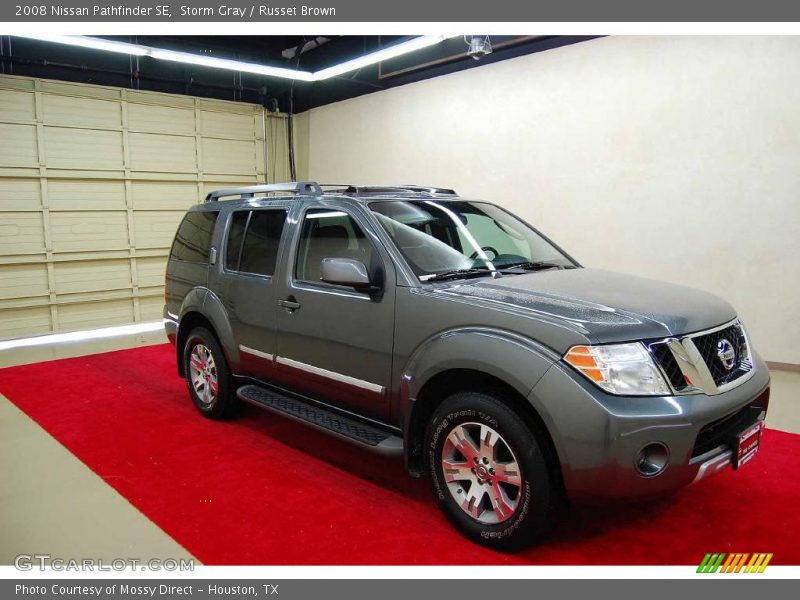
{"x":747,"y":444}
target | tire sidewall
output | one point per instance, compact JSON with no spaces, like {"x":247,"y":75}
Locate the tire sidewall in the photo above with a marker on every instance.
{"x":528,"y":519}
{"x":220,"y":405}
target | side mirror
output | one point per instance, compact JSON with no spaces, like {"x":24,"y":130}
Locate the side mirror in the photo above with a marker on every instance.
{"x":346,"y":271}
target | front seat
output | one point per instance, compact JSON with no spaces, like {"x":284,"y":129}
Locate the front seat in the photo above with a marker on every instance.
{"x":327,"y":241}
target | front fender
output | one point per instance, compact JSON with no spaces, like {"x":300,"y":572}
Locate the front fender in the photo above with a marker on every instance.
{"x":518,"y":361}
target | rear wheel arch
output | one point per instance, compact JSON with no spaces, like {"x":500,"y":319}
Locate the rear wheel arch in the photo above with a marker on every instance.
{"x":187,"y":324}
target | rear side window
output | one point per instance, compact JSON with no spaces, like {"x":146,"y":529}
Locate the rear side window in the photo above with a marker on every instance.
{"x":261,"y":242}
{"x":235,"y":236}
{"x":194,"y":237}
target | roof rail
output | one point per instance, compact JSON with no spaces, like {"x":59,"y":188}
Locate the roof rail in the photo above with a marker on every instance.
{"x":291,"y":187}
{"x":388,"y":189}
{"x":431,"y":190}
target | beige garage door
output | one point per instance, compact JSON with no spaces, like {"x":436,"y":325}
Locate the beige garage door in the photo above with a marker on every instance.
{"x":93,"y":183}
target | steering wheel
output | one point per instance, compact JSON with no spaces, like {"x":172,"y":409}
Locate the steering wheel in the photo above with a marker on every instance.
{"x":485,"y":249}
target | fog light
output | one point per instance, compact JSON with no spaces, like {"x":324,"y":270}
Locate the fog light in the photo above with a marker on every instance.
{"x":652,"y":459}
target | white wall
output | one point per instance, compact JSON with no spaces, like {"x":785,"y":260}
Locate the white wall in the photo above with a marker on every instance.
{"x":676,"y":158}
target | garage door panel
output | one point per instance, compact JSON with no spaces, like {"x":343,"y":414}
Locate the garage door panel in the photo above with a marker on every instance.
{"x":71,"y":148}
{"x":18,"y":147}
{"x":144,"y":117}
{"x":92,"y":276}
{"x":164,"y":195}
{"x":23,"y":322}
{"x":17,"y":106}
{"x":227,"y":125}
{"x":19,"y":194}
{"x":150,"y":271}
{"x":81,"y":112}
{"x":93,"y":220}
{"x":21,"y":233}
{"x":23,"y":281}
{"x":67,"y":194}
{"x":156,"y":229}
{"x":89,"y":231}
{"x":170,"y":153}
{"x":229,"y":156}
{"x":88,"y":315}
{"x":151,"y":307}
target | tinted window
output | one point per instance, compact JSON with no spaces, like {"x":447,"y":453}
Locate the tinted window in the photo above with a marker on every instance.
{"x":438,"y":236}
{"x":235,"y":235}
{"x":329,"y":234}
{"x":261,"y":242}
{"x":194,"y":237}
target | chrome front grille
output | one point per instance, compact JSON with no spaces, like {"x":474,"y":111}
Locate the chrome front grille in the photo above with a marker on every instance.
{"x":709,"y":362}
{"x":709,"y":347}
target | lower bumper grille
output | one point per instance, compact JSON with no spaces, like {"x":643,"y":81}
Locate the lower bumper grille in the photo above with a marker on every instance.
{"x":722,"y":430}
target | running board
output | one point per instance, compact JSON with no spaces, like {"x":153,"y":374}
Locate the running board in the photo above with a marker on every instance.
{"x":350,"y":430}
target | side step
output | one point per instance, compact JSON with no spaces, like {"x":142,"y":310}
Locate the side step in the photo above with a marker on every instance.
{"x":350,"y":430}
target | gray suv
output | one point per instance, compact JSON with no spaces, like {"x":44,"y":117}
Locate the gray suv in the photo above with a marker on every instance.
{"x":416,"y":323}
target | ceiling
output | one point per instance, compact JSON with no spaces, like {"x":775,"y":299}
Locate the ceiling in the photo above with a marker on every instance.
{"x":21,"y":56}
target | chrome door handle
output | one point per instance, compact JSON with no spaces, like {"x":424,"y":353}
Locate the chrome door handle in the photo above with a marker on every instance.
{"x":289,"y":304}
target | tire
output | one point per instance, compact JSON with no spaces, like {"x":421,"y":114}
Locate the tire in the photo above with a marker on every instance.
{"x":219,"y":403}
{"x":501,"y":510}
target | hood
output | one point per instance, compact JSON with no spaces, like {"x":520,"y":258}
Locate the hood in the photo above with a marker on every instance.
{"x":602,"y":306}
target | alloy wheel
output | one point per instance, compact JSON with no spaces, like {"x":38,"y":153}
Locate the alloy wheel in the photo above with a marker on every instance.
{"x":203,"y":374}
{"x":481,"y":472}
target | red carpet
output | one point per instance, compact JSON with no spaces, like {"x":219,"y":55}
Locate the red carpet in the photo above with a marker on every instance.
{"x":263,"y":490}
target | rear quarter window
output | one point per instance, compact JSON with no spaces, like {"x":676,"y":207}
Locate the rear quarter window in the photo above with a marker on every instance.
{"x":193,"y":240}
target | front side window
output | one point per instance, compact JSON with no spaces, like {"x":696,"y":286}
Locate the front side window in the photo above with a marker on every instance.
{"x":329,"y":234}
{"x":193,"y":240}
{"x":261,"y":242}
{"x":437,"y":237}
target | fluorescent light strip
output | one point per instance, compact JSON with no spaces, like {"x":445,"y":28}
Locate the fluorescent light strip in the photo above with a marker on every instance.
{"x":80,"y":336}
{"x":246,"y":67}
{"x":230,"y":65}
{"x":378,"y":56}
{"x":93,"y":43}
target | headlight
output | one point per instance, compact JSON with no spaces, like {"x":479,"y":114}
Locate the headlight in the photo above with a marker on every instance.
{"x":623,"y":369}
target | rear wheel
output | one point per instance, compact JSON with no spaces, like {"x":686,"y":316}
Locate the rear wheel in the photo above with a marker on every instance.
{"x":488,"y":471}
{"x":207,"y":375}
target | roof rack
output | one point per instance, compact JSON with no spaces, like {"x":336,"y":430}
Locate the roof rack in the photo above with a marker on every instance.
{"x":359,"y":190}
{"x":292,"y":187}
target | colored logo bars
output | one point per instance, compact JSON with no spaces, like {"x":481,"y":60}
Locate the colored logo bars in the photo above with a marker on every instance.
{"x":734,"y":563}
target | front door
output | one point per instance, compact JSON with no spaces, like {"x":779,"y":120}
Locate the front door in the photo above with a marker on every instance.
{"x":333,"y":342}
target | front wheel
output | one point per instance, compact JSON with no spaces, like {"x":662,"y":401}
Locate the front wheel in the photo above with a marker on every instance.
{"x":488,"y":471}
{"x":207,"y":375}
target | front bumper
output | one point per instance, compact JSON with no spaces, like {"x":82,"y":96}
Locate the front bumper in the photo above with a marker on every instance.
{"x":598,"y":436}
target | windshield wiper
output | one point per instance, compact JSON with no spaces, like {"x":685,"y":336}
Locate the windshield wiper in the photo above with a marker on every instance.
{"x":534,"y":266}
{"x":457,"y":274}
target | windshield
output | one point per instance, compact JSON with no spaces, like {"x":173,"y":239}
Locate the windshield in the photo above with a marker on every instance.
{"x":443,"y":236}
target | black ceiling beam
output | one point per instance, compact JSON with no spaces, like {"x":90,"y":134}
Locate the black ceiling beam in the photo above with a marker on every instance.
{"x":33,"y":58}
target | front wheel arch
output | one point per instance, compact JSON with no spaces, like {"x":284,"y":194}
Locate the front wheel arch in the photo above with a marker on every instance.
{"x":446,"y":383}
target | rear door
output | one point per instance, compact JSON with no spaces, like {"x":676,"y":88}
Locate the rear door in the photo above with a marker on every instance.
{"x":334,"y":342}
{"x":250,"y":255}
